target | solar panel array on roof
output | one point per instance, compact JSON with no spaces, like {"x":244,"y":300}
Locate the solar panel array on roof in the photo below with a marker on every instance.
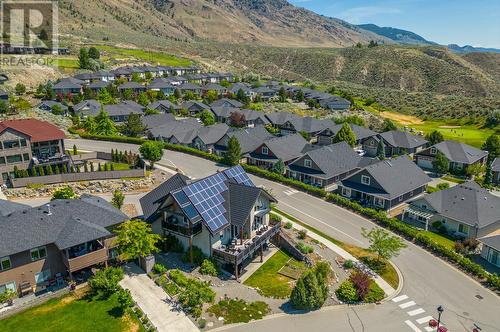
{"x":239,"y":174}
{"x":206,"y":196}
{"x":186,"y":205}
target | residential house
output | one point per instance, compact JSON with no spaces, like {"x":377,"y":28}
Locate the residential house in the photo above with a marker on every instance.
{"x":278,"y":120}
{"x":167,"y":131}
{"x":249,"y":139}
{"x":120,"y":112}
{"x":465,"y":210}
{"x":164,"y":106}
{"x":27,"y":143}
{"x":41,"y":246}
{"x":157,"y":120}
{"x":67,"y":86}
{"x":194,"y":107}
{"x":495,"y":168}
{"x":225,"y":102}
{"x":208,"y":136}
{"x":47,"y":105}
{"x":490,"y":248}
{"x":287,"y":148}
{"x":265,"y":93}
{"x":247,"y":90}
{"x":395,"y":142}
{"x":86,"y":108}
{"x":185,"y":87}
{"x":326,"y":136}
{"x":385,"y":184}
{"x":225,"y":215}
{"x":135,"y":87}
{"x":335,"y":103}
{"x":243,"y":117}
{"x":459,"y":155}
{"x":97,"y":86}
{"x":221,"y":91}
{"x":163,"y":85}
{"x":327,"y":165}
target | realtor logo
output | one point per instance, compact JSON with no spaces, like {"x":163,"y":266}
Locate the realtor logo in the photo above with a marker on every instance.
{"x":29,"y":27}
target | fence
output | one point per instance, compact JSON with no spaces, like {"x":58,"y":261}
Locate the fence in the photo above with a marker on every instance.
{"x":75,"y":177}
{"x":92,"y":155}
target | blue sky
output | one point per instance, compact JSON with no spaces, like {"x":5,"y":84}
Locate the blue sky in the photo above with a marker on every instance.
{"x":472,"y":22}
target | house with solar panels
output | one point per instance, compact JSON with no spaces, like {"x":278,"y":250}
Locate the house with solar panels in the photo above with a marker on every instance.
{"x":225,"y":215}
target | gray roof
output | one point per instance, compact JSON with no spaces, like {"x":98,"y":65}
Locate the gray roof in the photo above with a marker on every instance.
{"x":492,"y":241}
{"x":152,"y":200}
{"x":52,"y":103}
{"x":460,"y":152}
{"x":156,"y":120}
{"x":131,"y":85}
{"x":241,"y":200}
{"x":7,"y":207}
{"x":126,"y":107}
{"x":226,"y":101}
{"x":184,"y":137}
{"x":309,"y":124}
{"x":160,"y":83}
{"x":468,"y":203}
{"x":360,"y":132}
{"x":395,"y":176}
{"x":223,"y":111}
{"x":71,"y":222}
{"x":212,"y":134}
{"x":194,"y":104}
{"x":249,"y":138}
{"x":88,"y":107}
{"x":402,"y":139}
{"x":189,"y":86}
{"x":69,"y":83}
{"x":495,"y":166}
{"x":279,"y":118}
{"x":213,"y":86}
{"x":165,"y":103}
{"x":332,"y":160}
{"x":99,"y":84}
{"x":167,"y":130}
{"x":287,"y":147}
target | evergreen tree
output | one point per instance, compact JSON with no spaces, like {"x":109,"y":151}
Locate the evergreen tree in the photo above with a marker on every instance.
{"x":440,"y":163}
{"x":75,"y":150}
{"x":300,"y":96}
{"x":104,"y":97}
{"x":381,"y":150}
{"x":143,"y":99}
{"x":84,"y":59}
{"x":134,"y":126}
{"x":94,"y":53}
{"x":282,"y":95}
{"x":99,"y":169}
{"x":113,"y":155}
{"x":279,"y":167}
{"x":492,"y":145}
{"x":233,"y":153}
{"x":434,"y":137}
{"x":49,"y":170}
{"x":41,"y":171}
{"x":345,"y":134}
{"x":85,"y":167}
{"x":488,"y":177}
{"x":89,"y":125}
{"x":104,"y":125}
{"x":389,"y":125}
{"x":299,"y":296}
{"x":57,"y":170}
{"x":92,"y":167}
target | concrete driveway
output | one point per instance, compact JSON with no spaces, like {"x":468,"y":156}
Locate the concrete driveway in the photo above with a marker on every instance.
{"x":152,"y":301}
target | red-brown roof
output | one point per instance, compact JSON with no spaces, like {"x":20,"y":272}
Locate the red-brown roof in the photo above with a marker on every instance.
{"x":39,"y":131}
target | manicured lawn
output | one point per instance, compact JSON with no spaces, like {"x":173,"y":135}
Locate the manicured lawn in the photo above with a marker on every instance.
{"x":470,"y":134}
{"x":441,"y":239}
{"x":120,"y":166}
{"x":239,"y":311}
{"x":71,"y":63}
{"x":70,"y":313}
{"x":267,"y":279}
{"x":451,"y":178}
{"x":163,"y":59}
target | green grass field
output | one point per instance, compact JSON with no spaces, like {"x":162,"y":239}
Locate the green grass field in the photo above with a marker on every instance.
{"x":267,"y":279}
{"x":445,"y":241}
{"x":67,"y":63}
{"x":160,"y":58}
{"x":470,"y":134}
{"x":70,"y":313}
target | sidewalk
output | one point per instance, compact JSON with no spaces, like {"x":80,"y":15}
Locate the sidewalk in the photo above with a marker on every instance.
{"x":341,"y":252}
{"x":151,"y":299}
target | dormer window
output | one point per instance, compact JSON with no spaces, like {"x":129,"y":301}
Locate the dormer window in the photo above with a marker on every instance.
{"x":307,"y":163}
{"x":365,"y":180}
{"x":265,"y":150}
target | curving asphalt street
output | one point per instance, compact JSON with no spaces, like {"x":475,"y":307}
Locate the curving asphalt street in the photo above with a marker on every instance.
{"x":428,"y":281}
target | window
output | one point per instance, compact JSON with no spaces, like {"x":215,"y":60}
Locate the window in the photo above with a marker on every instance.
{"x":378,"y":202}
{"x":38,"y":253}
{"x":365,"y":180}
{"x":411,"y":193}
{"x":23,"y":142}
{"x":11,"y":144}
{"x":464,"y":229}
{"x":265,"y":150}
{"x":346,"y":192}
{"x":26,"y":157}
{"x":5,"y":263}
{"x":14,"y":159}
{"x":42,"y":276}
{"x":2,"y":161}
{"x":8,"y":286}
{"x":433,"y":151}
{"x":307,"y":163}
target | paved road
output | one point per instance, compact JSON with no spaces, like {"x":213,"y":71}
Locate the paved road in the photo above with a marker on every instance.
{"x":428,"y":281}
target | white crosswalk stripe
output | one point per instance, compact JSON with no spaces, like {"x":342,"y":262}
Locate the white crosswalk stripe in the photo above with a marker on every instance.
{"x":429,"y":329}
{"x":412,"y":326}
{"x":416,"y":312}
{"x":290,"y":192}
{"x":425,"y":319}
{"x":407,"y":304}
{"x":399,"y":298}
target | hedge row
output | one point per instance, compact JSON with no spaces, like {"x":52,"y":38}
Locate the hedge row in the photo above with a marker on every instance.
{"x":409,"y":232}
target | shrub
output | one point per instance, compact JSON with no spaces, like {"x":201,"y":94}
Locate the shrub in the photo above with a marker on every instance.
{"x":361,"y":282}
{"x":304,"y":249}
{"x":288,"y":225}
{"x":439,"y":226}
{"x":348,"y":264}
{"x":208,"y":268}
{"x":7,"y":296}
{"x":106,"y":281}
{"x":309,"y":292}
{"x":171,"y":243}
{"x":275,"y":218}
{"x":198,"y":256}
{"x":375,"y":293}
{"x":347,"y":292}
{"x":159,"y":268}
{"x":125,"y":299}
{"x":202,"y":323}
{"x":302,"y":234}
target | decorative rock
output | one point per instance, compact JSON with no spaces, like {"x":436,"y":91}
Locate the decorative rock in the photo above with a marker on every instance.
{"x":220,"y":318}
{"x":210,"y":324}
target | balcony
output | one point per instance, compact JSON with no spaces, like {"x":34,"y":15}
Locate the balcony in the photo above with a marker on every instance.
{"x":87,"y":260}
{"x":56,"y":159}
{"x":239,"y":253}
{"x":183,"y":229}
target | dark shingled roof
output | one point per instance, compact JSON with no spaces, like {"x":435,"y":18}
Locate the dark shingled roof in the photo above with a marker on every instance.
{"x":165,"y":103}
{"x":170,"y":129}
{"x":396,"y":177}
{"x":402,"y":139}
{"x":225,"y":101}
{"x":156,"y":120}
{"x":279,"y":118}
{"x":495,"y":166}
{"x":126,"y":107}
{"x":460,"y":152}
{"x":492,"y":241}
{"x":360,"y":132}
{"x":468,"y":203}
{"x":7,"y":207}
{"x":287,"y":147}
{"x":241,"y":201}
{"x":153,"y":199}
{"x":212,"y":134}
{"x":69,"y":223}
{"x":249,"y":138}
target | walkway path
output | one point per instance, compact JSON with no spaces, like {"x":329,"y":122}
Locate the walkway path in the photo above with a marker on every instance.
{"x":151,"y":299}
{"x":389,"y":291}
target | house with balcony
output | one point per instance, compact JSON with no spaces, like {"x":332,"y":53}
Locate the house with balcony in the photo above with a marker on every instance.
{"x":386,"y":184}
{"x":396,"y":143}
{"x":42,"y":246}
{"x":225,"y":215}
{"x":459,"y":155}
{"x":27,"y":143}
{"x":465,"y":210}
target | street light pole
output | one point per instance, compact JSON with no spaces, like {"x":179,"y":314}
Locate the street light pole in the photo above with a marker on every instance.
{"x":440,"y":310}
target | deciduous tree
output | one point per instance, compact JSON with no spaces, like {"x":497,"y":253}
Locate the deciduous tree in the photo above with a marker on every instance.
{"x":383,"y":243}
{"x":135,"y":239}
{"x":151,"y":151}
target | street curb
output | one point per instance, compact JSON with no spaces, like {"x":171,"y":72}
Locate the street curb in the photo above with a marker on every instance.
{"x":400,"y":284}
